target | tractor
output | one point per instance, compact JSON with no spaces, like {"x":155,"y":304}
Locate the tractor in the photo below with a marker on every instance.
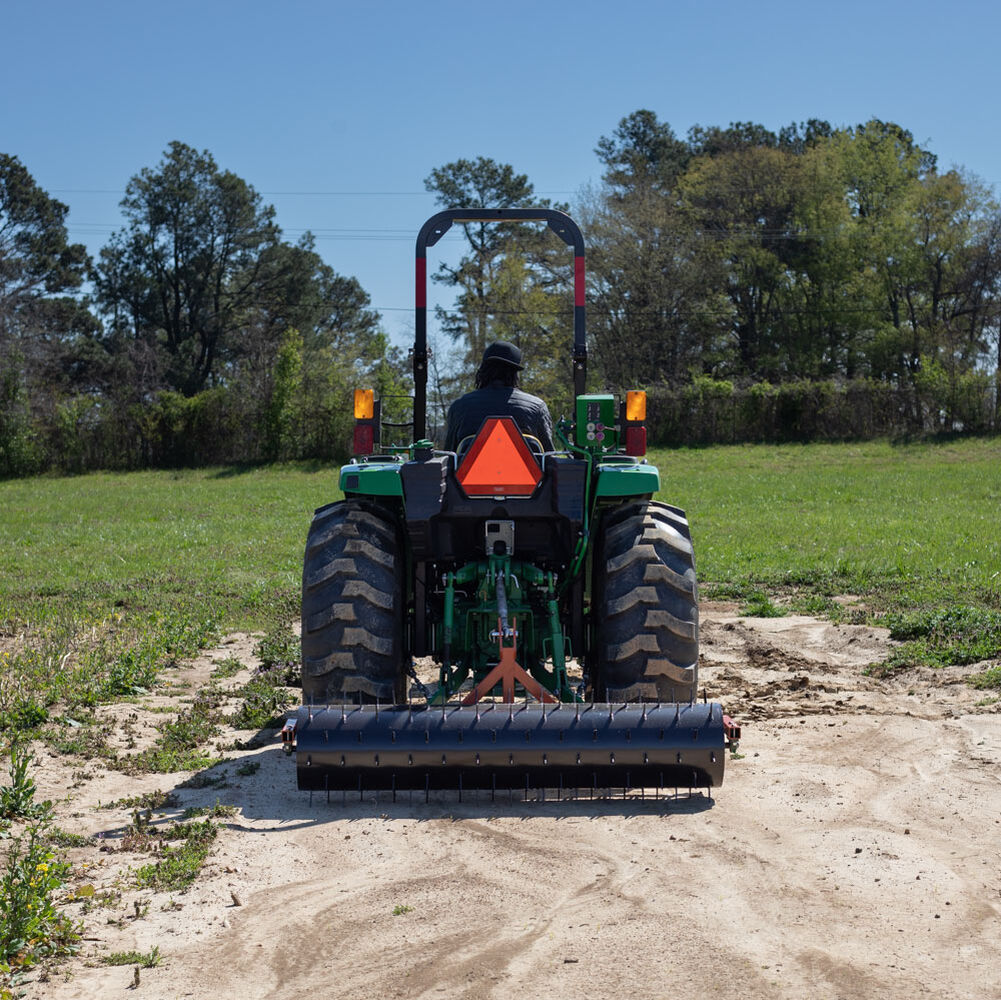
{"x":504,"y":564}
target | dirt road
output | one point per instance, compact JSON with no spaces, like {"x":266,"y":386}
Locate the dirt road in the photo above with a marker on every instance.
{"x":853,"y":851}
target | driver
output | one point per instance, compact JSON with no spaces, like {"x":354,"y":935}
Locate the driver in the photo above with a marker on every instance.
{"x":497,"y":395}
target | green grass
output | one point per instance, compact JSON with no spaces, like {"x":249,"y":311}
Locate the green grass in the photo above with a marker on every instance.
{"x":108,"y":579}
{"x":907,"y":527}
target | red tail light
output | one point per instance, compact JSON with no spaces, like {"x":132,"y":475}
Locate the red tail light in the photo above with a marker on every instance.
{"x":364,"y":439}
{"x":636,"y":441}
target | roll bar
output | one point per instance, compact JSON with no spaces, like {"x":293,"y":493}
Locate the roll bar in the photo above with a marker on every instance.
{"x":434,"y":229}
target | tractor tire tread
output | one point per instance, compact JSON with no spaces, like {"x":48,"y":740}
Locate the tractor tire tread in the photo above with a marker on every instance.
{"x":646,"y":606}
{"x":353,"y":638}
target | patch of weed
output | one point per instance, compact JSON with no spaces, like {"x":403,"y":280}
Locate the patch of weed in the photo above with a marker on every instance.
{"x":17,"y":800}
{"x":145,"y":960}
{"x":941,"y":637}
{"x":264,"y":701}
{"x":402,"y":908}
{"x":218,"y":811}
{"x":178,"y":867}
{"x":87,"y":741}
{"x":760,"y":605}
{"x":148,"y":800}
{"x":228,"y":667}
{"x":64,"y":838}
{"x":177,"y":747}
{"x":279,"y":648}
{"x":990,"y":678}
{"x":33,"y":928}
{"x":247,"y":768}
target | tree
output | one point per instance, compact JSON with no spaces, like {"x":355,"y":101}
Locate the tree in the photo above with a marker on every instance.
{"x":480,"y":183}
{"x":189,"y":263}
{"x":36,"y":260}
{"x":642,"y":154}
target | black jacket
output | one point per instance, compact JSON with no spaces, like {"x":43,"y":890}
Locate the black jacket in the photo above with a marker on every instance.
{"x":466,"y":414}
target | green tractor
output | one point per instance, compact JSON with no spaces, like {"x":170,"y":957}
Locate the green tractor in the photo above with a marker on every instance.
{"x":503,"y":563}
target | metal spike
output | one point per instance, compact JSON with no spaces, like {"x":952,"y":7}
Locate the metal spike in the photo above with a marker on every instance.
{"x":460,"y":786}
{"x":493,"y":787}
{"x":360,"y":794}
{"x":577,"y":713}
{"x":427,"y":788}
{"x":394,"y":786}
{"x":326,"y":784}
{"x":377,"y":708}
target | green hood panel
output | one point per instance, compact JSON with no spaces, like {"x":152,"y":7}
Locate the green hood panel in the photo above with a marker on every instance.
{"x":375,"y":479}
{"x":627,"y":480}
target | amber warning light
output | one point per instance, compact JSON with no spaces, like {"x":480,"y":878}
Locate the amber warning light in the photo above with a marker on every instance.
{"x":633,"y":430}
{"x":366,"y":433}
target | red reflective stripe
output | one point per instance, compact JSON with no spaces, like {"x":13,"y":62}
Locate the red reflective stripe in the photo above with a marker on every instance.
{"x":422,"y":285}
{"x":578,"y":281}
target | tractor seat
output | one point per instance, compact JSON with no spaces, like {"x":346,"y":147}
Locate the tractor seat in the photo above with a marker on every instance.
{"x":534,"y":446}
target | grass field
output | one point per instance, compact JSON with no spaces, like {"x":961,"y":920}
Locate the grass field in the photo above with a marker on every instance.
{"x":105,"y":578}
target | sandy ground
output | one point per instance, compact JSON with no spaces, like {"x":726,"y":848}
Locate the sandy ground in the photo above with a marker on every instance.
{"x":854,"y":850}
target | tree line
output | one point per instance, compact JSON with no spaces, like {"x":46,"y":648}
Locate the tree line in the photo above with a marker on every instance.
{"x":763,"y":285}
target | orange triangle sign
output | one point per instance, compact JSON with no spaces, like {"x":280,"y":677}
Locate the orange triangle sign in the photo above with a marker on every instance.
{"x":498,"y":462}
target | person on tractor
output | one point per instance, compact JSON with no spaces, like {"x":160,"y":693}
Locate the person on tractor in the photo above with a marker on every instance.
{"x":497,"y":395}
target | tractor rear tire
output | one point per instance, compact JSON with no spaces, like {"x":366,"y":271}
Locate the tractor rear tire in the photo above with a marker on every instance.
{"x":353,"y":644}
{"x":646,"y":623}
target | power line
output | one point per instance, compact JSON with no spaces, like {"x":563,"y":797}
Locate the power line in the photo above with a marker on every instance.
{"x":308,"y":194}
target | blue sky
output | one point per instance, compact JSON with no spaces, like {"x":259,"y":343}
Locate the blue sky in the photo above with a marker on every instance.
{"x":337,"y":111}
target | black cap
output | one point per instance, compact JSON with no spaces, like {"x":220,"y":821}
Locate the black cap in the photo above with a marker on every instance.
{"x":501,"y":350}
